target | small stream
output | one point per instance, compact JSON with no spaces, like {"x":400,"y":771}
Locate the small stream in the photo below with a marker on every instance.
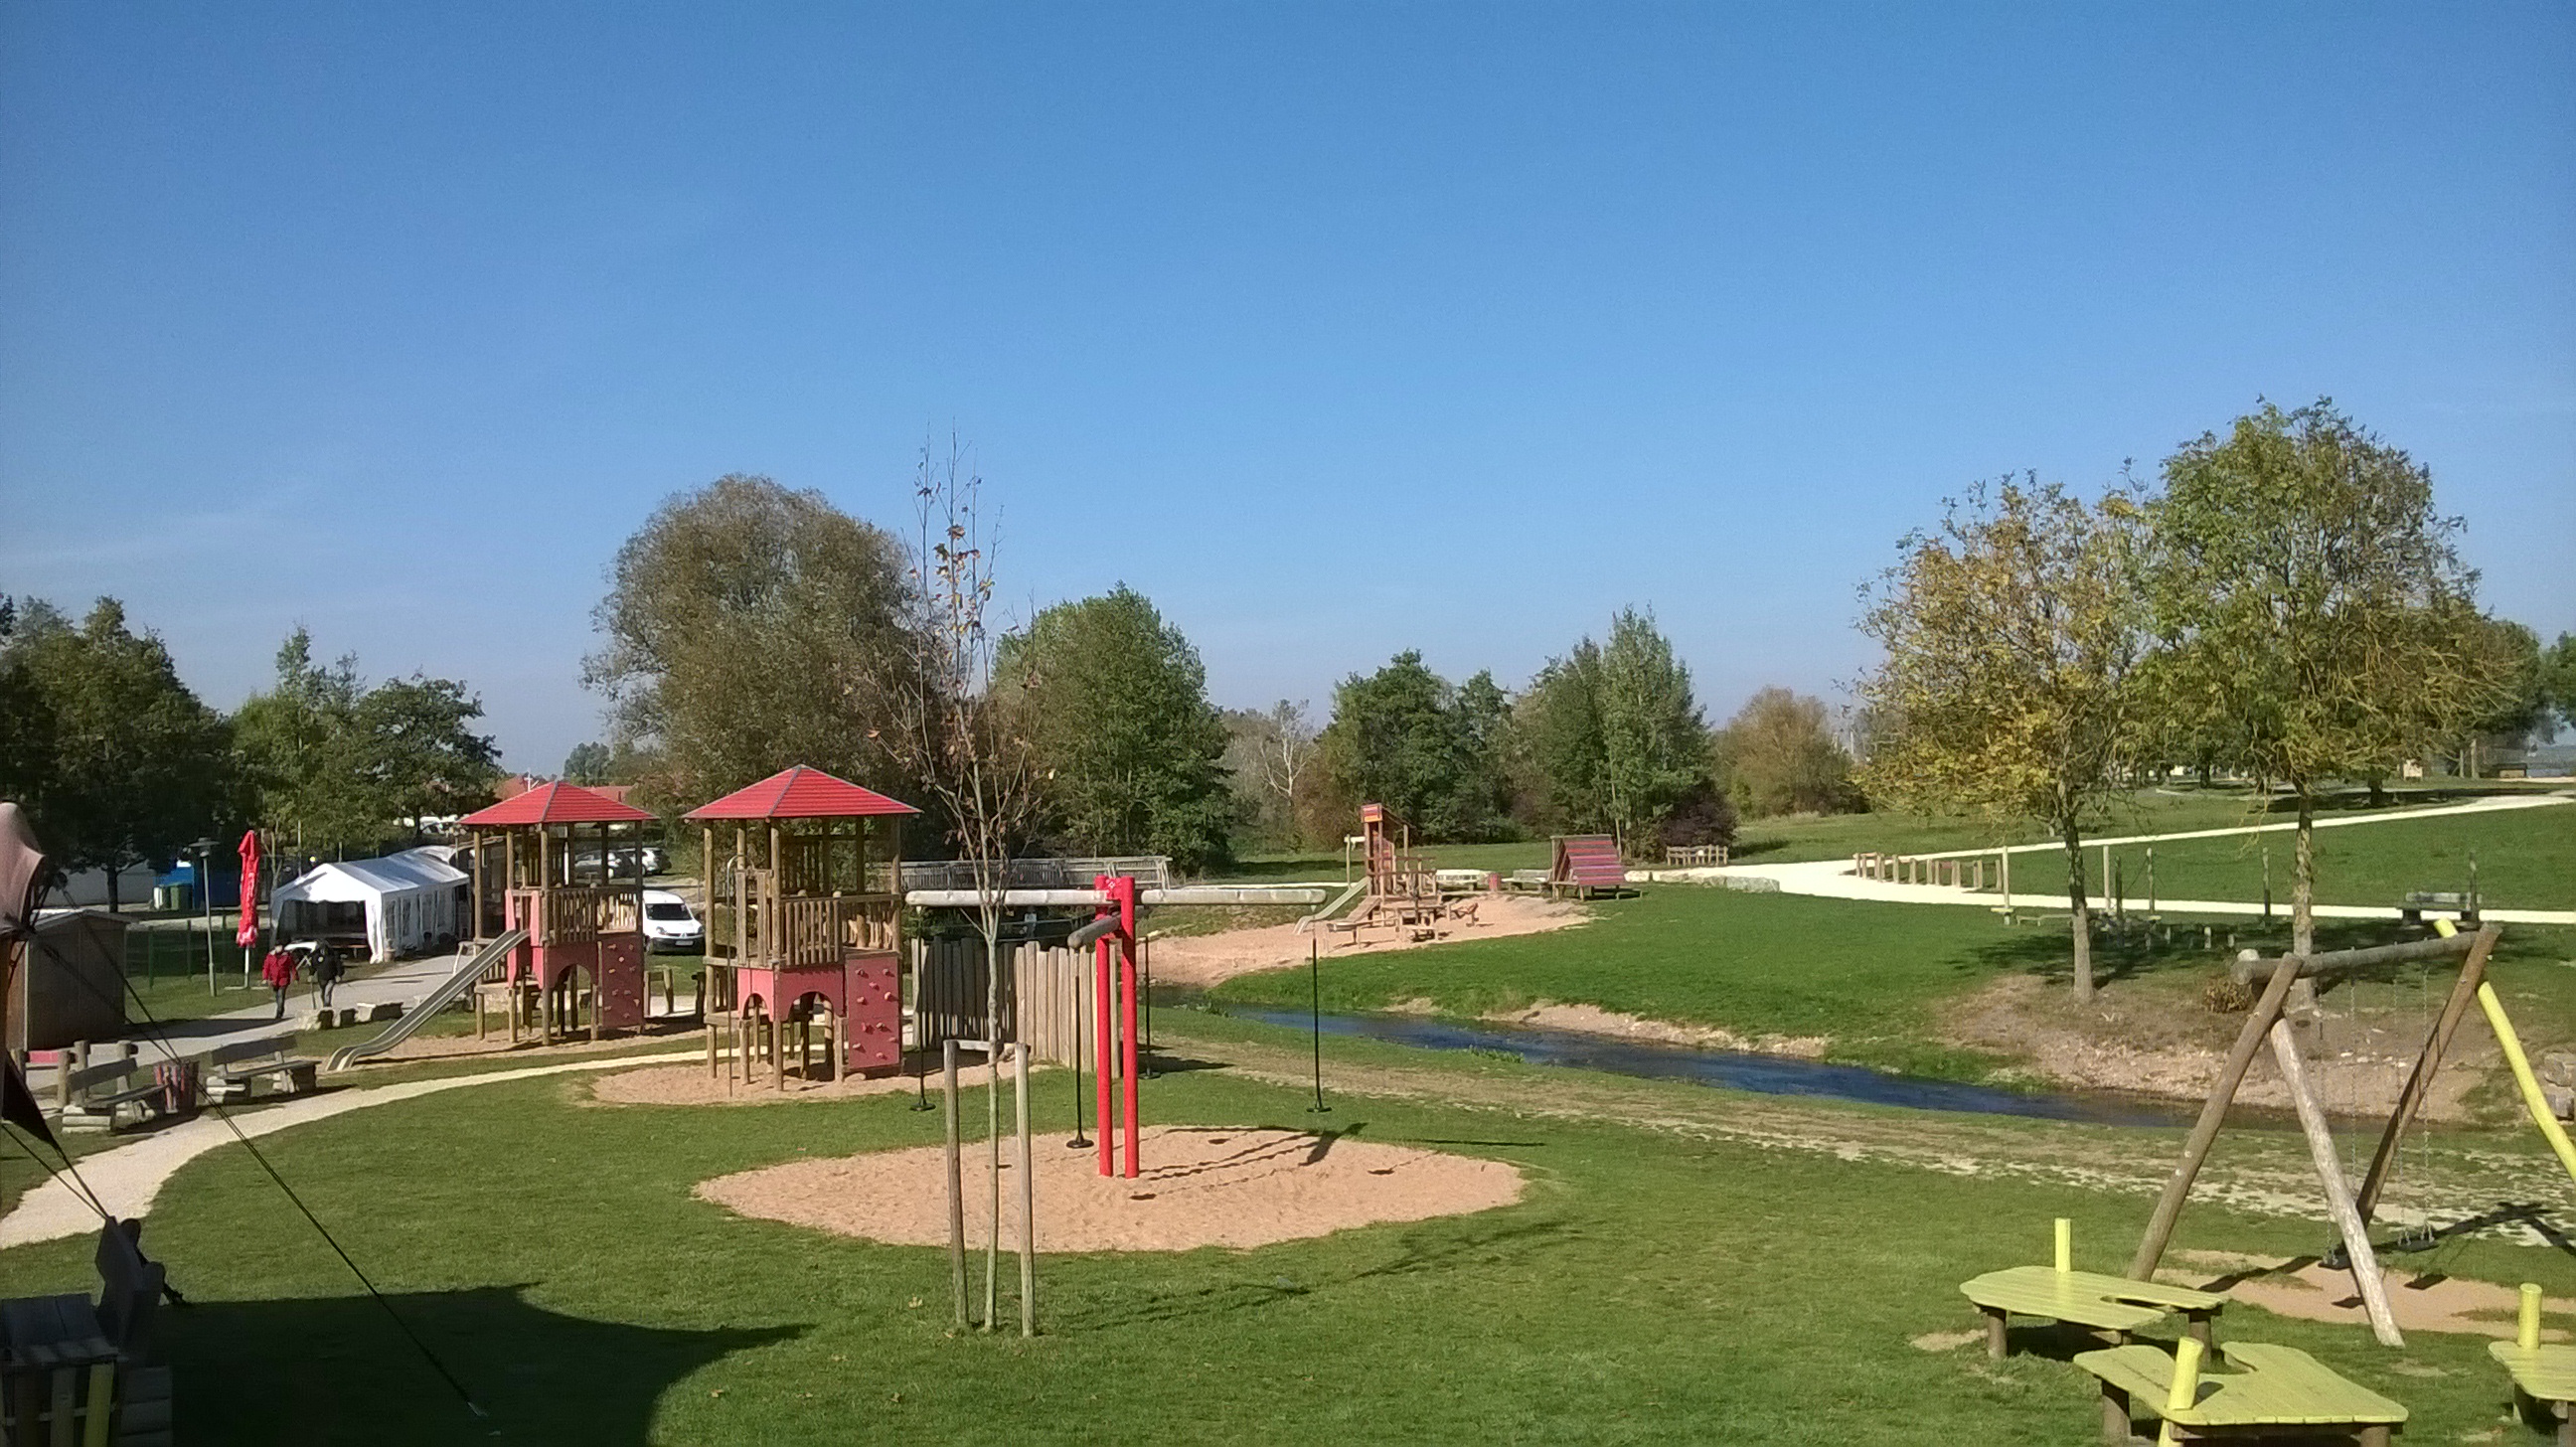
{"x":1735,"y":1070}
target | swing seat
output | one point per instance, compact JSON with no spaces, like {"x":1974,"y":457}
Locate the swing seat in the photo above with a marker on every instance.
{"x":2105,"y":1303}
{"x":2543,"y":1376}
{"x":2269,"y":1391}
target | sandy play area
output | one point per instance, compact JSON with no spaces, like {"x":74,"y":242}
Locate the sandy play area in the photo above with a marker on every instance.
{"x":1202,"y":960}
{"x":2310,"y":1292}
{"x":1200,"y":1187}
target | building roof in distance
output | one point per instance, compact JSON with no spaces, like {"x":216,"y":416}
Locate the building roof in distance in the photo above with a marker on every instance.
{"x":800,"y":793}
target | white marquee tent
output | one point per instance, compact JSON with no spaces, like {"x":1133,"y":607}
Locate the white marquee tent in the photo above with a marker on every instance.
{"x":406,"y":902}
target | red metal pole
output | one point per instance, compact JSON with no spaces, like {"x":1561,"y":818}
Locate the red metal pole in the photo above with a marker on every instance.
{"x":1124,"y":891}
{"x":1100,"y":1048}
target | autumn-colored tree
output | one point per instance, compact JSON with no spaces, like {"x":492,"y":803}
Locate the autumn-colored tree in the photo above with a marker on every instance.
{"x":2013,"y":635}
{"x":2314,"y":609}
{"x":1779,"y":756}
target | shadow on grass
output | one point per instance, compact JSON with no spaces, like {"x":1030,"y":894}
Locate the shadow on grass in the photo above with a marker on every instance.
{"x":1425,"y":1248}
{"x":2137,"y":952}
{"x":336,"y":1369}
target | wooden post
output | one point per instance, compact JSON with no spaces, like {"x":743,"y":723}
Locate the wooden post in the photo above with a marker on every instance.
{"x":771,"y":1022}
{"x":2003,"y":878}
{"x":2428,"y":1064}
{"x":2321,"y":1149}
{"x":956,"y":1181}
{"x":2213,"y":1114}
{"x":1028,"y":1197}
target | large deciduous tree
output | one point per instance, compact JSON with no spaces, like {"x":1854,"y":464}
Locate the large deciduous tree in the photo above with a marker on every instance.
{"x":2314,"y":608}
{"x":1117,"y":709}
{"x":339,"y":766}
{"x":134,"y":766}
{"x":1406,"y":738}
{"x":1270,"y":757}
{"x":1779,"y":756}
{"x":1613,"y":737}
{"x":2014,"y":635}
{"x":747,"y":628}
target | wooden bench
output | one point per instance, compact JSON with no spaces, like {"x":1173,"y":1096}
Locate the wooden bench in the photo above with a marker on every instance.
{"x":2114,"y":1304}
{"x":2411,"y":908}
{"x":73,"y":1372}
{"x":89,"y":1097}
{"x":2544,"y":1374}
{"x":231,"y":1069}
{"x":2270,"y":1391}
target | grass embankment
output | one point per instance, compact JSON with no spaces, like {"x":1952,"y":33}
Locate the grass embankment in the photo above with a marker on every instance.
{"x":1656,"y":1284}
{"x":1871,"y":979}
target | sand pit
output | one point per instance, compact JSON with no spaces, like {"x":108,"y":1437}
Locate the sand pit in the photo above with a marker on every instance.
{"x":2311,"y":1292}
{"x":690,"y":1084}
{"x":1201,"y":1187}
{"x":1203,"y":960}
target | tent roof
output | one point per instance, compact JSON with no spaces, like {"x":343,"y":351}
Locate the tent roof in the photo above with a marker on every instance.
{"x":348,"y":879}
{"x":556,"y":804}
{"x":801,"y":793}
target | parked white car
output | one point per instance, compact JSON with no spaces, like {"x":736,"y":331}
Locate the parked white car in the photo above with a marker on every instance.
{"x":669,"y":926}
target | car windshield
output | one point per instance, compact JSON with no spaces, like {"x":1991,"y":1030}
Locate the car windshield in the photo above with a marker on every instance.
{"x":658,"y":910}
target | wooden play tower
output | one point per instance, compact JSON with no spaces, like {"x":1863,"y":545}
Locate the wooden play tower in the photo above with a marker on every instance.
{"x":804,"y":922}
{"x":1396,"y":875}
{"x":534,"y":857}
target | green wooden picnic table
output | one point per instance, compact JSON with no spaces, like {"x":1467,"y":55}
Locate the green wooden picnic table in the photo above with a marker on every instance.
{"x":2105,"y":1303}
{"x":2545,"y":1375}
{"x":2270,"y":1391}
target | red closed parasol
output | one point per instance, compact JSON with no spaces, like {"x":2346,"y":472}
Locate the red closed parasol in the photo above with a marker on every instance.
{"x":248,"y":934}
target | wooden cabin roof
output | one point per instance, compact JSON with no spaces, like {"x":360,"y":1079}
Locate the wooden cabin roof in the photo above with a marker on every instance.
{"x":801,"y":793}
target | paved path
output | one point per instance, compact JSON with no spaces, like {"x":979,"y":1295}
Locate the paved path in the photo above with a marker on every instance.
{"x":129,"y":1178}
{"x":1833,"y":879}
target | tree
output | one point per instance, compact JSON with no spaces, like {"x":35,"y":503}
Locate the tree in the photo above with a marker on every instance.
{"x":138,"y":766}
{"x":343,"y":767}
{"x":2013,"y":637}
{"x":964,"y":739}
{"x":2558,"y":678}
{"x":1117,"y":710}
{"x":2314,"y":608}
{"x":587,"y":764}
{"x":747,"y":628}
{"x":1405,"y":738}
{"x":2509,"y":655}
{"x":1613,"y":738}
{"x":27,"y":726}
{"x":1270,"y":756}
{"x":1778,"y":756}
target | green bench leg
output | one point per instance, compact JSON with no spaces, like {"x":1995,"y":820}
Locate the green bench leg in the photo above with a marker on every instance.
{"x":1994,"y":1332}
{"x":2375,"y":1436}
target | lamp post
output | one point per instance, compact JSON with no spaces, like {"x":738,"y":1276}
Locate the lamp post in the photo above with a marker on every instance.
{"x":205,"y":850}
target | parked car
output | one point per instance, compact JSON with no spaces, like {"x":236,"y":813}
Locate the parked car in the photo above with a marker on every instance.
{"x":669,"y":926}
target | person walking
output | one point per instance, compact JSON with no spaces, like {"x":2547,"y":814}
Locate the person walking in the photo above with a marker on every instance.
{"x":326,"y":969}
{"x":278,"y":969}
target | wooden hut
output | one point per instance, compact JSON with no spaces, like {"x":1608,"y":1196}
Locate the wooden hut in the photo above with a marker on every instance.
{"x":805,"y":920}
{"x":545,"y":861}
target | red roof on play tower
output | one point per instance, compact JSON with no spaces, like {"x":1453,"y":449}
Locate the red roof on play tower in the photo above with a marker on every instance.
{"x":556,"y":804}
{"x":801,"y":793}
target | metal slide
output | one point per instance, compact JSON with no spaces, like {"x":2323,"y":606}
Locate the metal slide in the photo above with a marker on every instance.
{"x":449,"y":991}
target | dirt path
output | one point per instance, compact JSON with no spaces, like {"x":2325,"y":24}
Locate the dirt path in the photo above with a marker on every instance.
{"x":1202,"y":960}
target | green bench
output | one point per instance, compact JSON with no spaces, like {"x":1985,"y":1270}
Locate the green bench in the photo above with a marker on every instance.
{"x":2114,"y":1304}
{"x":2269,"y":1391}
{"x":2544,"y":1375}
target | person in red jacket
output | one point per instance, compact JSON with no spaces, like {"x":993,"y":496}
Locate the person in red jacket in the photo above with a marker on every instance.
{"x":278,"y":969}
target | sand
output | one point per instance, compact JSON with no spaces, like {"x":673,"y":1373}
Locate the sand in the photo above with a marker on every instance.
{"x":1203,"y":960}
{"x":2301,"y":1288}
{"x":1200,"y":1187}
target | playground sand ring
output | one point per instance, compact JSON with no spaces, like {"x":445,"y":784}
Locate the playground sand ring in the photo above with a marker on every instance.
{"x":2313,"y":1292}
{"x":1202,"y":960}
{"x":1201,"y":1186}
{"x":690,"y":1084}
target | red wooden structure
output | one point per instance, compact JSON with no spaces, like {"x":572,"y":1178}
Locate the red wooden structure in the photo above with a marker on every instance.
{"x":549,"y":841}
{"x":804,"y":921}
{"x":1586,"y":864}
{"x":1117,"y":1039}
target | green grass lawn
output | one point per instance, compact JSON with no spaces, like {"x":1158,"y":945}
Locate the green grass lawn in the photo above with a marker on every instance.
{"x":2526,"y":860}
{"x":1655,"y":1285}
{"x":1868,"y":976}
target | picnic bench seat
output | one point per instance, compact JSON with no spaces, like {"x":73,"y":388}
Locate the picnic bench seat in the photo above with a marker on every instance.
{"x":2106,"y":1303}
{"x":231,"y":1069}
{"x":74,"y":1372}
{"x":2411,"y":908}
{"x":2268,"y":1391}
{"x":2544,"y":1380}
{"x":91,"y":1096}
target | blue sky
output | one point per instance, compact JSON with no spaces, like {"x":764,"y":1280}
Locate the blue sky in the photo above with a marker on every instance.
{"x":1336,"y":329}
